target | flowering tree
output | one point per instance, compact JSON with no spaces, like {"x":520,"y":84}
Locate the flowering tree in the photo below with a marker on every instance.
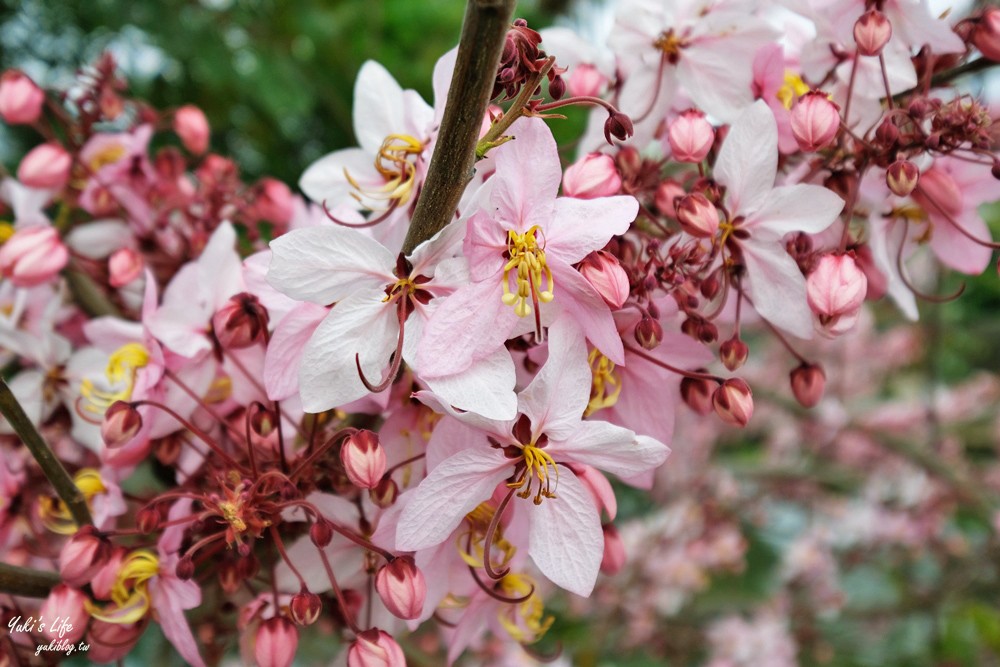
{"x":400,"y":415}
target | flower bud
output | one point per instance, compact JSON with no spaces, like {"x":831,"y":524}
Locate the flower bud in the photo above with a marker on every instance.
{"x":124,"y":266}
{"x":277,"y":641}
{"x":606,"y":275}
{"x":45,"y":167}
{"x":586,"y":81}
{"x":185,"y":568}
{"x":835,"y":289}
{"x":733,"y":353}
{"x":274,"y":201}
{"x":103,"y":581}
{"x":375,"y":648}
{"x":557,"y":87}
{"x":121,"y":423}
{"x":697,"y":394}
{"x":385,"y":493}
{"x":305,"y":607}
{"x":191,"y":126}
{"x":690,"y":137}
{"x":698,"y":216}
{"x":363,"y":459}
{"x":240,"y":322}
{"x":733,"y":402}
{"x":887,"y":133}
{"x":872,"y":32}
{"x":20,"y":99}
{"x":808,"y":382}
{"x":82,"y":556}
{"x":815,"y":121}
{"x":618,"y":125}
{"x":902,"y":177}
{"x":593,"y":176}
{"x":986,"y":36}
{"x":939,"y":193}
{"x":668,"y":194}
{"x":401,"y":585}
{"x":65,"y":603}
{"x":248,"y":566}
{"x":263,"y":421}
{"x":33,"y":256}
{"x":148,"y":520}
{"x":321,"y":533}
{"x":648,"y":333}
{"x":614,"y":551}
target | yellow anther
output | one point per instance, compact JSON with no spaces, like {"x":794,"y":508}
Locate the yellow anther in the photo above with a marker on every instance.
{"x":526,"y":621}
{"x":53,"y":512}
{"x":107,"y":155}
{"x":122,"y":366}
{"x":231,"y":513}
{"x":533,"y":277}
{"x":605,"y":384}
{"x":395,"y":162}
{"x":403,"y":286}
{"x":539,"y":465}
{"x":670,"y":44}
{"x":793,"y":88}
{"x":6,"y":231}
{"x":130,"y":592}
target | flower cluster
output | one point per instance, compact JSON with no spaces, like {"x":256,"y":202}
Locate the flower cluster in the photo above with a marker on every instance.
{"x":276,"y":415}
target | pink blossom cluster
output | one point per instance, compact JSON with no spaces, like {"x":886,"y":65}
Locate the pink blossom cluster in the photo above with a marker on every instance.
{"x":324,"y":425}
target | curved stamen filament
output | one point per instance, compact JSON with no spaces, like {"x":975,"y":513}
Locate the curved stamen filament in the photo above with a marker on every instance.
{"x":393,"y":162}
{"x":540,"y":465}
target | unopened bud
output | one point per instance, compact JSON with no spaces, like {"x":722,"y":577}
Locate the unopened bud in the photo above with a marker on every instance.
{"x":557,"y":87}
{"x":986,"y":36}
{"x":614,"y":551}
{"x":401,"y":586}
{"x":274,"y":201}
{"x":82,"y":556}
{"x":363,"y":459}
{"x":872,"y":32}
{"x":375,"y":648}
{"x":248,"y":566}
{"x":148,"y":520}
{"x":698,"y":216}
{"x":65,"y":603}
{"x":902,"y":177}
{"x":835,"y":289}
{"x":619,"y":126}
{"x":305,"y":607}
{"x":276,"y":643}
{"x":20,"y":99}
{"x":33,"y":256}
{"x":191,"y":126}
{"x":648,"y":333}
{"x":887,"y":133}
{"x":240,"y":322}
{"x":263,"y":420}
{"x":592,"y":176}
{"x":229,"y":578}
{"x":606,"y":275}
{"x":321,"y":533}
{"x":586,"y":81}
{"x":808,"y":383}
{"x":385,"y":493}
{"x":690,"y":137}
{"x":733,"y":353}
{"x":121,"y":423}
{"x":124,"y":266}
{"x":697,"y":394}
{"x":733,"y":402}
{"x":185,"y":568}
{"x":45,"y":167}
{"x":668,"y":194}
{"x":815,"y":121}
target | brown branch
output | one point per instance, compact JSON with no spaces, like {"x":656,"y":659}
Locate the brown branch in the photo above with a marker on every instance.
{"x":452,"y":166}
{"x":949,"y":75}
{"x":88,"y":295}
{"x":46,"y":459}
{"x":29,"y":583}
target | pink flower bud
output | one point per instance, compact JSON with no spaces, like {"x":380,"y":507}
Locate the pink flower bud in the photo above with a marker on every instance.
{"x":66,"y":604}
{"x":733,"y":353}
{"x":375,"y":648}
{"x":986,"y":36}
{"x":45,"y":167}
{"x":277,"y":641}
{"x":939,"y":193}
{"x":33,"y":256}
{"x":733,"y":402}
{"x":401,"y":585}
{"x":321,"y":533}
{"x":305,"y":607}
{"x":148,"y":520}
{"x":872,"y":32}
{"x":648,"y":333}
{"x":385,"y":493}
{"x":124,"y":266}
{"x":191,"y":126}
{"x":697,"y":394}
{"x":606,"y":275}
{"x":668,"y":194}
{"x":698,"y":216}
{"x":690,"y":137}
{"x":808,"y":382}
{"x":274,"y":201}
{"x":111,"y":642}
{"x":835,"y":289}
{"x":902,"y":177}
{"x":614,"y":551}
{"x":104,"y":579}
{"x":815,"y":121}
{"x":121,"y":422}
{"x":82,"y":556}
{"x":363,"y":459}
{"x":240,"y":322}
{"x":593,"y":176}
{"x":586,"y":81}
{"x":20,"y":99}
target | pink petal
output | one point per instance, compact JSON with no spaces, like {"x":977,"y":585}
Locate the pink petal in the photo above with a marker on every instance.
{"x":579,"y":226}
{"x":777,"y":288}
{"x":557,"y":396}
{"x":748,"y":160}
{"x":528,"y":175}
{"x":284,"y":352}
{"x":794,"y":208}
{"x":578,"y":299}
{"x":611,"y":448}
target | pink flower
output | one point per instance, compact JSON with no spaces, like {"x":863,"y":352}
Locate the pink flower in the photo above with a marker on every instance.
{"x":33,"y":256}
{"x":401,"y":586}
{"x":276,"y":643}
{"x":690,"y":136}
{"x":836,"y":288}
{"x":20,"y":99}
{"x":375,"y":648}
{"x":191,"y":126}
{"x":872,"y":32}
{"x":593,"y":176}
{"x":67,"y":604}
{"x":815,"y":121}
{"x":363,"y":459}
{"x":606,"y":275}
{"x":45,"y":167}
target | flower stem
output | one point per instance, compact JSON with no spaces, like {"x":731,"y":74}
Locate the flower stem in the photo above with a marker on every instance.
{"x":23,"y":581}
{"x":483,"y":31}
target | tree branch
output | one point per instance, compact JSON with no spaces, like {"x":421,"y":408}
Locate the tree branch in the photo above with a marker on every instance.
{"x":452,"y":166}
{"x":47,"y":461}
{"x":29,"y":583}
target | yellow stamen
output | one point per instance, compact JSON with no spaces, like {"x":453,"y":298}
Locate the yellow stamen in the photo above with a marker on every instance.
{"x":130,"y":592}
{"x":471,"y":543}
{"x":122,"y":366}
{"x":53,"y":512}
{"x":526,"y":621}
{"x":393,"y":161}
{"x":6,"y":231}
{"x":605,"y":386}
{"x":403,"y":286}
{"x":670,"y":44}
{"x":793,"y":88}
{"x":540,"y":465}
{"x":527,"y":260}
